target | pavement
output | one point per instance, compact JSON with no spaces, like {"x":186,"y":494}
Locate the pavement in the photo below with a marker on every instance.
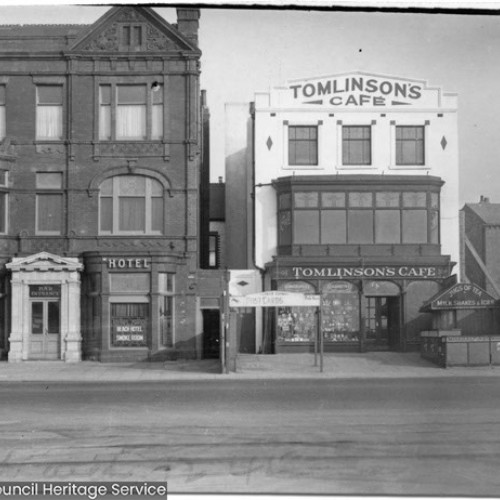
{"x":370,"y":365}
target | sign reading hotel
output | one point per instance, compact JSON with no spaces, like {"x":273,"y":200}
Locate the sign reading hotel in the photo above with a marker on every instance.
{"x":129,"y":332}
{"x":343,"y":272}
{"x":359,"y":90}
{"x":274,"y":299}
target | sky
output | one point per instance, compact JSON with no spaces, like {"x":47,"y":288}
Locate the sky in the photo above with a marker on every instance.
{"x":248,"y":50}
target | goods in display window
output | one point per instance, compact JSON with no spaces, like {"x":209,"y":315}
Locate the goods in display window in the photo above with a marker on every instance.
{"x":340,"y":312}
{"x":296,"y":324}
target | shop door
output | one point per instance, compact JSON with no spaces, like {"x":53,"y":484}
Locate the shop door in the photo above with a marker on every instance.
{"x":382,"y":322}
{"x":211,"y":333}
{"x":45,"y":335}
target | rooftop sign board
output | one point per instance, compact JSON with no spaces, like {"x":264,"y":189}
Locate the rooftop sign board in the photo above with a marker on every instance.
{"x":363,"y":90}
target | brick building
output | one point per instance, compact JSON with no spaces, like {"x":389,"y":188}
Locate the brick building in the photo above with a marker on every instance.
{"x":346,"y":187}
{"x":100,"y":188}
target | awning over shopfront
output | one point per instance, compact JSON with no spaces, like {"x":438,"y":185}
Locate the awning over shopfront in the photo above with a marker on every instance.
{"x":461,"y":296}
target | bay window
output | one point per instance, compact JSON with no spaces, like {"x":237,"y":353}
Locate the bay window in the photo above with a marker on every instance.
{"x":358,"y":217}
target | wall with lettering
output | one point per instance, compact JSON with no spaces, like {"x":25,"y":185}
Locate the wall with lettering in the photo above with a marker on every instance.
{"x":329,"y":103}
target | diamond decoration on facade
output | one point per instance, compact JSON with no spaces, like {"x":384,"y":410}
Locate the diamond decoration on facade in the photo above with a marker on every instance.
{"x":269,"y":143}
{"x":242,"y":283}
{"x":444,"y":142}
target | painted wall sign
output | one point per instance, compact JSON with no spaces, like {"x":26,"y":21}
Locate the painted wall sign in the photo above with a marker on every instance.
{"x":274,"y":299}
{"x":127,"y":263}
{"x":357,"y":91}
{"x":343,"y":272}
{"x":129,"y":332}
{"x":45,"y":291}
{"x":463,"y":296}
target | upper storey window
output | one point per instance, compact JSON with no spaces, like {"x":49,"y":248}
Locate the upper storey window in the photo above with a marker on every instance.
{"x":302,"y":145}
{"x":356,"y":145}
{"x":130,"y":112}
{"x":410,"y":145}
{"x":49,"y":112}
{"x":2,"y":112}
{"x":132,"y":36}
{"x":131,"y":204}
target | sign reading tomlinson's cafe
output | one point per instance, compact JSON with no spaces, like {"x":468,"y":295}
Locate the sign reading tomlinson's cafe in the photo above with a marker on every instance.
{"x":360,"y":90}
{"x":345,"y":272}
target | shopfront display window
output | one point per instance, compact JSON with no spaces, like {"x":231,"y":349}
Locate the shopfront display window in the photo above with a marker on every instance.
{"x":129,"y":324}
{"x":296,"y":324}
{"x":340,"y":312}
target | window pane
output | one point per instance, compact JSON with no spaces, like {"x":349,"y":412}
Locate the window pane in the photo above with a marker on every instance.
{"x":134,"y":185}
{"x":131,"y":122}
{"x":49,"y":212}
{"x":306,"y":200}
{"x":409,"y":145}
{"x":360,"y":199}
{"x":3,"y":131}
{"x":435,"y":201}
{"x":415,"y":200}
{"x":105,"y":123}
{"x":131,"y":94}
{"x":2,"y":95}
{"x":3,"y":212}
{"x":37,"y":317}
{"x":360,"y":226}
{"x":165,"y":282}
{"x":49,"y":180}
{"x":167,"y":321}
{"x":356,"y":145}
{"x":285,"y":200}
{"x":157,"y":214}
{"x":129,"y":282}
{"x":106,"y":214}
{"x":434,"y":226}
{"x":107,"y":187}
{"x":53,"y":318}
{"x":49,"y":122}
{"x":414,"y":226}
{"x":332,"y":200}
{"x":387,"y":226}
{"x":105,"y":94}
{"x":157,"y":121}
{"x":387,"y":199}
{"x":157,"y":94}
{"x":49,"y":94}
{"x":302,"y":146}
{"x":306,"y":226}
{"x":285,"y":228}
{"x":132,"y":214}
{"x":333,"y":227}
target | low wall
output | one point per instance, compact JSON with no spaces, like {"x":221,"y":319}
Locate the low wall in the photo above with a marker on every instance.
{"x":449,"y":348}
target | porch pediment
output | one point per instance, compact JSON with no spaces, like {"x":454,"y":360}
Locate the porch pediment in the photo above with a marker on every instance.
{"x":44,"y":261}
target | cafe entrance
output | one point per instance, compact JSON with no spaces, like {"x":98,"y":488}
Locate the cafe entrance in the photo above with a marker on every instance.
{"x":45,"y":331}
{"x":382,"y":315}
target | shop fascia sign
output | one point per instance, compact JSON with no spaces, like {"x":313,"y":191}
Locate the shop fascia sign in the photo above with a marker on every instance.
{"x":463,"y":296}
{"x":342,"y":272}
{"x":357,"y":90}
{"x":126,"y":263}
{"x":274,"y":299}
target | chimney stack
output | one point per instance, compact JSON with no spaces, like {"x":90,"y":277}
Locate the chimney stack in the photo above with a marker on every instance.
{"x":188,"y":23}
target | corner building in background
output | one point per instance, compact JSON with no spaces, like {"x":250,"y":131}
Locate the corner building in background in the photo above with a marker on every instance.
{"x":100,"y":162}
{"x":350,"y":189}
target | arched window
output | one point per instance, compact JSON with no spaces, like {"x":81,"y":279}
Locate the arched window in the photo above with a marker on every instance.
{"x":130,"y":204}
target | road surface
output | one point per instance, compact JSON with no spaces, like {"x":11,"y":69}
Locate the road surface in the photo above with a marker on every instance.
{"x":412,"y":436}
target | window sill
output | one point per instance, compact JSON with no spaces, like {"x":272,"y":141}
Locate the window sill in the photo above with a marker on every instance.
{"x":302,"y":167}
{"x":356,"y":167}
{"x":409,"y":167}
